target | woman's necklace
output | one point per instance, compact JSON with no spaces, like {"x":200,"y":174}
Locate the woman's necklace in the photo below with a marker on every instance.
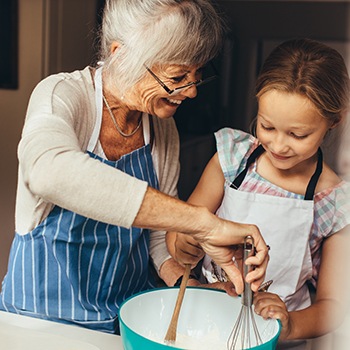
{"x":115,"y":122}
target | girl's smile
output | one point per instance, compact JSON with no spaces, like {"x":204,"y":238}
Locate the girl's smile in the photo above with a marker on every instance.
{"x":279,"y":157}
{"x":290,"y":128}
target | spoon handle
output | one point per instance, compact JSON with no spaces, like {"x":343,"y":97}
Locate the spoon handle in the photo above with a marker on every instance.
{"x":170,"y":336}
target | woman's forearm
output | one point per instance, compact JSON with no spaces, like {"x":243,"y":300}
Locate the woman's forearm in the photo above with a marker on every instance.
{"x":216,"y":236}
{"x":162,"y":212}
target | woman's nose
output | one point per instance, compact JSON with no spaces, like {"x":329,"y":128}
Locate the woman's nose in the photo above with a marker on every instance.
{"x":190,"y":92}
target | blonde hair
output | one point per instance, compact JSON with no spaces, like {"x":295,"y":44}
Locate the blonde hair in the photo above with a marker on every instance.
{"x":188,"y":32}
{"x":311,"y":69}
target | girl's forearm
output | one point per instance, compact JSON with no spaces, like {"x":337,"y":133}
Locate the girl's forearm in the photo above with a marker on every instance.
{"x":319,"y":319}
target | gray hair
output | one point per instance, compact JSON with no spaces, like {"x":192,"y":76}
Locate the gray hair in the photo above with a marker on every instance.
{"x":187,"y":32}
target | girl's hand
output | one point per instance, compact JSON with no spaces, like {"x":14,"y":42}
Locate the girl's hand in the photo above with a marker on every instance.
{"x":228,"y":287}
{"x":184,"y":248}
{"x":187,"y":250}
{"x":269,"y":305}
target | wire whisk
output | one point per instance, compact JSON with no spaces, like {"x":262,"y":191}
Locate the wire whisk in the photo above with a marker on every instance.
{"x":245,"y":333}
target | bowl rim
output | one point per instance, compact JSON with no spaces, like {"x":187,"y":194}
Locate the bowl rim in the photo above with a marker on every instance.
{"x":275,"y":337}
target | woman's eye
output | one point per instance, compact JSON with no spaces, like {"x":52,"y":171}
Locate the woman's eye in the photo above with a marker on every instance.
{"x":200,"y":71}
{"x":178,"y":79}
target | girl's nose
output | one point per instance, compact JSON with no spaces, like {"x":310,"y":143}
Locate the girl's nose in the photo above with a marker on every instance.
{"x":279,"y":144}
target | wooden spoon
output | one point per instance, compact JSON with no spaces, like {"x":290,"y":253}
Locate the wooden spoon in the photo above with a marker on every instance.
{"x":170,"y":336}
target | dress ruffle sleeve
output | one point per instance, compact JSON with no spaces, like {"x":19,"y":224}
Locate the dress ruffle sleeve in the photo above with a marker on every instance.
{"x":333,"y":209}
{"x":234,"y":147}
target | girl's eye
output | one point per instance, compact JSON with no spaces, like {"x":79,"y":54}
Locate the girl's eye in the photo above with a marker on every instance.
{"x":298,"y":137}
{"x":270,"y":128}
{"x":267,"y":128}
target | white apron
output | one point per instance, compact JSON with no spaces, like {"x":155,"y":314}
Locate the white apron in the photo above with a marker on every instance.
{"x":285,"y":224}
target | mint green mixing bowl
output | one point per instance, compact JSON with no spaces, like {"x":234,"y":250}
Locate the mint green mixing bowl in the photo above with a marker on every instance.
{"x":206,"y":319}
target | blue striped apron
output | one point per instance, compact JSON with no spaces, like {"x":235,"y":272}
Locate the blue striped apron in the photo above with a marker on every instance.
{"x":73,"y":269}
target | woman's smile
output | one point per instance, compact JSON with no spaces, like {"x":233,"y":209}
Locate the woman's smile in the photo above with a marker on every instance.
{"x":173,"y":101}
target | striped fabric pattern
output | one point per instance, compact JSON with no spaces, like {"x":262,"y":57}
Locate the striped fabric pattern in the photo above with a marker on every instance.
{"x":74,"y":269}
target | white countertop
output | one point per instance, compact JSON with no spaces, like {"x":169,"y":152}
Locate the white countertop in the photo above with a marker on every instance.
{"x":28,"y":333}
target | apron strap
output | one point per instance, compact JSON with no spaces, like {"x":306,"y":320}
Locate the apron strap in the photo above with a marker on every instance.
{"x":151,"y":131}
{"x":99,"y":107}
{"x":239,"y":179}
{"x":310,"y":190}
{"x":148,"y":128}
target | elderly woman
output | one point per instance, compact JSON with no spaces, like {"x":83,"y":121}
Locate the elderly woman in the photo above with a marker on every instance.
{"x":98,"y":167}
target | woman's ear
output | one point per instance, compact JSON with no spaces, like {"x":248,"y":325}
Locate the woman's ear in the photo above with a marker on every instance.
{"x":114,"y":47}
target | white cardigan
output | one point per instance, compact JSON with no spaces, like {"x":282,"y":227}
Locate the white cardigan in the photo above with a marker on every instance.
{"x":54,"y":168}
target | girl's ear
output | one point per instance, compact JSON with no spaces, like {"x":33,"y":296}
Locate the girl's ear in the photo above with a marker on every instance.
{"x":114,"y":47}
{"x":337,"y":122}
{"x":334,"y":124}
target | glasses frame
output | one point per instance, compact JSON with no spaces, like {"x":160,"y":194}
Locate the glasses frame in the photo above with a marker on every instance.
{"x":177,"y":89}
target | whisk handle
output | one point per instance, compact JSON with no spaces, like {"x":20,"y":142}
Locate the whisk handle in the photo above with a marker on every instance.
{"x":248,"y":250}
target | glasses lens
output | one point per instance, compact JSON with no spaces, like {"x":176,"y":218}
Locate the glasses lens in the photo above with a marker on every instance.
{"x":179,"y":89}
{"x":208,"y":74}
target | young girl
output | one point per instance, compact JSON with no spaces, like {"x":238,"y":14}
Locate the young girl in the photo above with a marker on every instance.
{"x":279,"y":181}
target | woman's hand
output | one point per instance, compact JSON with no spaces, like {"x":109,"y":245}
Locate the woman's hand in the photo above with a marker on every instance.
{"x":269,"y":305}
{"x":216,"y":236}
{"x":218,"y":245}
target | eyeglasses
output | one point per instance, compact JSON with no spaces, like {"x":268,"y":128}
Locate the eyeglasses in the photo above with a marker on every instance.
{"x":177,"y":90}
